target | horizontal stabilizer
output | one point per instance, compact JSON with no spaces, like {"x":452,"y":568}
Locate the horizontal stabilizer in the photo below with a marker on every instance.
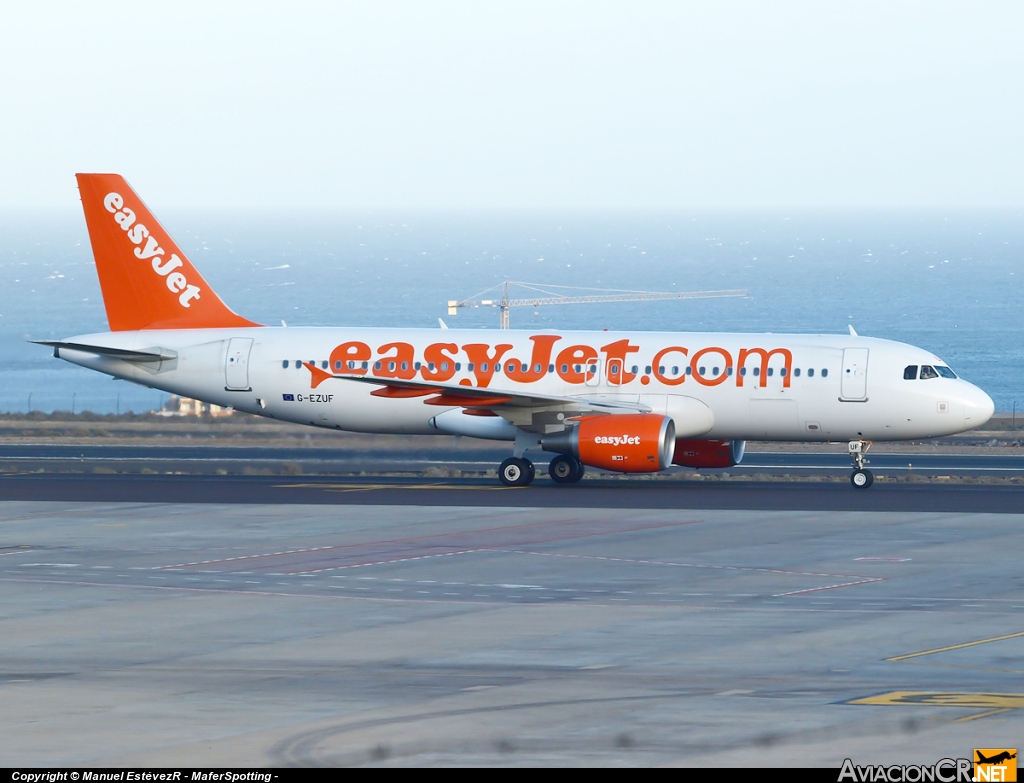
{"x":101,"y":350}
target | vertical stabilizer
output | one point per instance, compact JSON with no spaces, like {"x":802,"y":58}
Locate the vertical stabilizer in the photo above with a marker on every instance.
{"x":147,"y":282}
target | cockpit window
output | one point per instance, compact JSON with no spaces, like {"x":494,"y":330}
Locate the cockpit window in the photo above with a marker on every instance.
{"x":927,"y":371}
{"x":910,"y":373}
{"x":945,"y":372}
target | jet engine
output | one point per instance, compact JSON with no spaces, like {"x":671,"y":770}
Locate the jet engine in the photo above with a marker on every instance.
{"x":709,"y":453}
{"x":626,"y":443}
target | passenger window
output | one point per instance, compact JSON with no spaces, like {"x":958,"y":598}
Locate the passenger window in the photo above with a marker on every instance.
{"x":391,"y":366}
{"x":444,"y":366}
{"x":551,"y":368}
{"x":771,"y":371}
{"x":743,"y":370}
{"x":810,"y":372}
{"x":376,"y":365}
{"x":536,"y":368}
{"x":284,"y":364}
{"x":782,"y":372}
{"x":483,"y":367}
{"x":701,"y":371}
{"x":565,"y":368}
{"x":796,"y":372}
{"x":575,"y":368}
{"x":757,"y":371}
{"x":910,"y":373}
{"x":615,"y":369}
{"x":298,"y":364}
{"x":469,"y":367}
{"x":675,"y":371}
{"x":635,"y":368}
{"x":689,"y":371}
{"x":417,"y":366}
{"x":337,"y":365}
{"x":405,"y":366}
{"x":366,"y":365}
{"x":323,"y":365}
{"x":927,"y":371}
{"x":661,"y":369}
{"x":647,"y":370}
{"x":497,"y":367}
{"x":728,"y":370}
{"x":458,"y":366}
{"x":824,"y":372}
{"x":714,"y":371}
{"x":945,"y":372}
{"x":430,"y":366}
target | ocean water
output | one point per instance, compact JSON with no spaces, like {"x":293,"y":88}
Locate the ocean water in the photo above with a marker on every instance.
{"x":950,"y":283}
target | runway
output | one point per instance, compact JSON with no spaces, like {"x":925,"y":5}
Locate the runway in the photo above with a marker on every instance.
{"x":621,"y":493}
{"x":250,"y":634}
{"x":466,"y":457}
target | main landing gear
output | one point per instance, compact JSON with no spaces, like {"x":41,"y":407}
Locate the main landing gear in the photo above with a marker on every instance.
{"x":565,"y":469}
{"x":861,"y":478}
{"x":519,"y":471}
{"x":516,"y":472}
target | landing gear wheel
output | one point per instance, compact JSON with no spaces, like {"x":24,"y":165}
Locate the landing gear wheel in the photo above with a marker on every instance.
{"x":565,"y":469}
{"x":862,"y":479}
{"x":516,"y":472}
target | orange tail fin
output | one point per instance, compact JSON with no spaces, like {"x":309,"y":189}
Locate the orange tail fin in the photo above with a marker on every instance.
{"x":147,"y":282}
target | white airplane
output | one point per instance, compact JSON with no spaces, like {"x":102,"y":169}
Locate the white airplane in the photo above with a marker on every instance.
{"x":631,"y":402}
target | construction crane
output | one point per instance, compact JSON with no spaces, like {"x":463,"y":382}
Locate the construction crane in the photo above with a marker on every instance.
{"x":555,"y":298}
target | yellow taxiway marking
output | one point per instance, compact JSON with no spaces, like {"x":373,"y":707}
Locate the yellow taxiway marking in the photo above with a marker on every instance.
{"x":373,"y":487}
{"x":955,"y":647}
{"x":997,"y":702}
{"x":982,"y":715}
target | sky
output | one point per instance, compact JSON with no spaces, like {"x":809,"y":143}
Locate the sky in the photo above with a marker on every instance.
{"x":516,"y":105}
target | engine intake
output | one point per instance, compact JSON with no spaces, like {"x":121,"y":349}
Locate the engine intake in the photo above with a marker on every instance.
{"x":627,"y":443}
{"x":709,"y":453}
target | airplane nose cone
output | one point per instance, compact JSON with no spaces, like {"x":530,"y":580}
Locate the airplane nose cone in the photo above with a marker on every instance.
{"x":978,"y":408}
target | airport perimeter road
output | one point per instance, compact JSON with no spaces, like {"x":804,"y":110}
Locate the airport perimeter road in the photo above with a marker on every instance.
{"x":634,"y":493}
{"x":207,"y":635}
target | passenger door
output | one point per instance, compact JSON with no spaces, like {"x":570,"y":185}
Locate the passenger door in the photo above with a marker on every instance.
{"x":854,"y":386}
{"x":236,"y":365}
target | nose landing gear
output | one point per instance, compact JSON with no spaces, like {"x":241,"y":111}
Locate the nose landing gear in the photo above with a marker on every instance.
{"x":861,"y":478}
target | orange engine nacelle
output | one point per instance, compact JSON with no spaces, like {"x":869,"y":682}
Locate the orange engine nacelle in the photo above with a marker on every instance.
{"x":627,"y":443}
{"x":708,"y":453}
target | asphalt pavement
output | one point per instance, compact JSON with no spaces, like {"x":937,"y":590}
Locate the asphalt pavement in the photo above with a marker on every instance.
{"x":489,"y":634}
{"x":623,"y":493}
{"x":463,"y":456}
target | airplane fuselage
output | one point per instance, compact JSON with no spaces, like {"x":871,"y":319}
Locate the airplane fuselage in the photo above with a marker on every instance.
{"x":715,"y":386}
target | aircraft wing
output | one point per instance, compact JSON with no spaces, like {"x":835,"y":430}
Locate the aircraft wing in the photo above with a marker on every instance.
{"x":523,"y":409}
